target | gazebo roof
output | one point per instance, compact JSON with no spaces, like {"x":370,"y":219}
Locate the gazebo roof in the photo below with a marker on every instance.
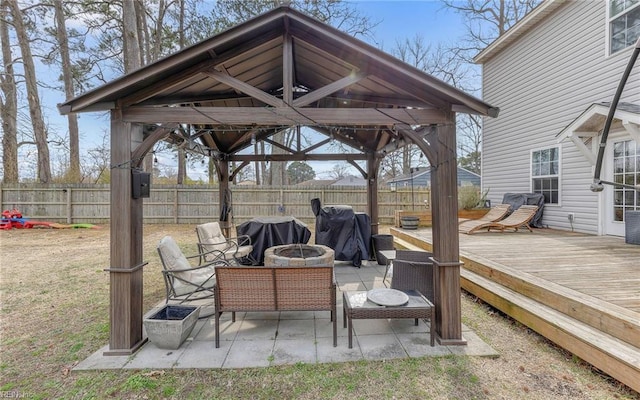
{"x":278,"y":70}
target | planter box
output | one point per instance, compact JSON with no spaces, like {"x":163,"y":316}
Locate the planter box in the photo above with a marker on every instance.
{"x":409,"y":222}
{"x":425,"y":215}
{"x":170,"y":327}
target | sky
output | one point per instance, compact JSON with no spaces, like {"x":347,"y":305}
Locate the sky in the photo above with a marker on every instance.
{"x":397,"y":21}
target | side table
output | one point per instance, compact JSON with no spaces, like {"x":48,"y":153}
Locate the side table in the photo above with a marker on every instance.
{"x":356,"y":306}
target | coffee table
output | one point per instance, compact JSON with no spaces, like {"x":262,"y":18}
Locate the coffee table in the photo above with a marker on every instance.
{"x":356,"y":306}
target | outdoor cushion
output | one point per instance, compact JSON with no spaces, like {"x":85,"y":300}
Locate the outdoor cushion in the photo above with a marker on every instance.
{"x":174,"y":260}
{"x":210,"y":237}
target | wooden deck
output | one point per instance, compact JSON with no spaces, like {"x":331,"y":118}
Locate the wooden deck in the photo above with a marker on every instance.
{"x":580,"y":291}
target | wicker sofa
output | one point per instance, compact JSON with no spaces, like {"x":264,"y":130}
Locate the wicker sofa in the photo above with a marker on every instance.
{"x":242,"y":288}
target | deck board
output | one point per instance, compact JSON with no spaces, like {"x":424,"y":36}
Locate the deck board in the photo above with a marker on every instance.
{"x":604,"y":267}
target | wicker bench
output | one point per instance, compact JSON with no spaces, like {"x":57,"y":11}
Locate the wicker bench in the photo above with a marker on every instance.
{"x":241,"y":289}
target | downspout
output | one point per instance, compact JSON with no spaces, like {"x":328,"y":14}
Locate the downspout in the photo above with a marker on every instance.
{"x":597,"y":185}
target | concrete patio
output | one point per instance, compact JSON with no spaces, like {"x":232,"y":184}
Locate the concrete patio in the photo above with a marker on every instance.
{"x":276,"y":338}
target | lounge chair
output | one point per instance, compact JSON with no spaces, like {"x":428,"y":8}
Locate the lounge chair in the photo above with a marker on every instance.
{"x":496,"y":213}
{"x":518,"y":219}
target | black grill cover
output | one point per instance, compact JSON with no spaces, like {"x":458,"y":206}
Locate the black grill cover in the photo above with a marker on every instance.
{"x":267,"y":232}
{"x":532,"y":199}
{"x":346,"y":232}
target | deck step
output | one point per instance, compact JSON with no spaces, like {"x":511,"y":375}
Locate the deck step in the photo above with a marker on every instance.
{"x":615,"y":357}
{"x":599,"y":332}
{"x":614,"y":320}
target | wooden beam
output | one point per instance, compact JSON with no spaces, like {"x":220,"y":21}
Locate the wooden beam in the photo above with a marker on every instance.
{"x":245,"y":88}
{"x":267,"y":116}
{"x":165,"y":84}
{"x":328,"y":89}
{"x":279,"y":145}
{"x":288,"y":67}
{"x":158,"y":134}
{"x":428,"y":147}
{"x":297,"y":157}
{"x":373,"y":163}
{"x":232,"y":177}
{"x":358,"y":168}
{"x":446,"y":246}
{"x":125,"y":274}
{"x":222,"y":167}
{"x":387,"y":67}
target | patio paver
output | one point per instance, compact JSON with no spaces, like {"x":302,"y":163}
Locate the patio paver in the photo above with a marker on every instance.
{"x":272,"y":338}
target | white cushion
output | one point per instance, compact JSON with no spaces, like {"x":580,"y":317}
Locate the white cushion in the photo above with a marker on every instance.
{"x":173,"y":259}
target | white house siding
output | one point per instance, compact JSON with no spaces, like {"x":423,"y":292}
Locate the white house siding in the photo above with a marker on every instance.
{"x":541,"y":83}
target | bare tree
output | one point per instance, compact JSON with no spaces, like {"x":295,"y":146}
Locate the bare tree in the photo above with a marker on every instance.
{"x":99,"y":170}
{"x":8,"y":103}
{"x":130,"y":39}
{"x":486,"y":20}
{"x":417,"y":53}
{"x":31,"y":82}
{"x":339,"y":171}
{"x":73,"y":173}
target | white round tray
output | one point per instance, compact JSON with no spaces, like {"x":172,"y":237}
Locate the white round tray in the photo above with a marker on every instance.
{"x":387,"y":297}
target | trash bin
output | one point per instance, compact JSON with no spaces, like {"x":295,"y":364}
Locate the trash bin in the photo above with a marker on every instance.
{"x":380,"y":243}
{"x":632,"y":227}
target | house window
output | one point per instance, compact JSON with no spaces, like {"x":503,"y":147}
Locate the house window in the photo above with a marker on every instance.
{"x":624,"y":23}
{"x":545,"y":170}
{"x":626,"y":170}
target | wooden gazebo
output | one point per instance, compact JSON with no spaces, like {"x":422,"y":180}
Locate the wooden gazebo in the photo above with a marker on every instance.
{"x":279,"y":70}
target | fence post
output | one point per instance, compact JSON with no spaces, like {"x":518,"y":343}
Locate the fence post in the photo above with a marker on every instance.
{"x":69,"y":206}
{"x":175,"y":206}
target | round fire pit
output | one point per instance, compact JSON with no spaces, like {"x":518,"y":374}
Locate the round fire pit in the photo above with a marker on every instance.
{"x":298,"y":255}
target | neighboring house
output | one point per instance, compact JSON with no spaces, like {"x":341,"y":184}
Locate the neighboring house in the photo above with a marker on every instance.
{"x":350,"y":181}
{"x":422,"y":178}
{"x":553,"y":75}
{"x":317,"y":182}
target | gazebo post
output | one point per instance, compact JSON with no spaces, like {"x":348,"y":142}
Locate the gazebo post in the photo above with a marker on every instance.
{"x":372,"y":190}
{"x":125,"y":272}
{"x":446,"y":245}
{"x":223,"y":189}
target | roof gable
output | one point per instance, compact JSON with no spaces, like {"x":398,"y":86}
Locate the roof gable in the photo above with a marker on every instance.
{"x":253,"y":53}
{"x":275,"y":71}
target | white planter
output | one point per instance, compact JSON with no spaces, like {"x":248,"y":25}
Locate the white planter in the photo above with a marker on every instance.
{"x":171,"y":326}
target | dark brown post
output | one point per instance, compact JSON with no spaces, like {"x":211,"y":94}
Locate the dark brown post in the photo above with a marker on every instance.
{"x":446,"y":249}
{"x":125,"y":270}
{"x":372,"y":191}
{"x":223,"y":189}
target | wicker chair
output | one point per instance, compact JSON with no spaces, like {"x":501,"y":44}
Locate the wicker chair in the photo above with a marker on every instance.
{"x":412,"y":270}
{"x":234,"y":250}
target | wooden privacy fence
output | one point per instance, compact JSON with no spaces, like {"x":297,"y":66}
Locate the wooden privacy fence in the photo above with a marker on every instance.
{"x":193,"y":204}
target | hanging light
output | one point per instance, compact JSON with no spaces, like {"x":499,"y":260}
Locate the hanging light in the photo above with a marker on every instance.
{"x":253,"y":138}
{"x":155,"y":159}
